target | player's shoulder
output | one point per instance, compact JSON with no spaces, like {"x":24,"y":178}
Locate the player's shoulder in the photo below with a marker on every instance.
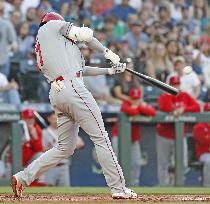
{"x":52,"y":26}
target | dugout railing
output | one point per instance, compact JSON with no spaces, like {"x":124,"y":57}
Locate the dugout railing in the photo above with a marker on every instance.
{"x":11,"y":117}
{"x":125,"y":139}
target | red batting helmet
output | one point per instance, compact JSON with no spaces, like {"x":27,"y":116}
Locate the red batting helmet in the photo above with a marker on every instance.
{"x":135,"y":93}
{"x":51,"y":16}
{"x":27,"y":114}
{"x":174,"y":80}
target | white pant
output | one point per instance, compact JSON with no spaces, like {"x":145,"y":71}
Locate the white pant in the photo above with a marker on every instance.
{"x":135,"y":160}
{"x":75,"y":106}
{"x":205,"y":158}
{"x":165,"y":152}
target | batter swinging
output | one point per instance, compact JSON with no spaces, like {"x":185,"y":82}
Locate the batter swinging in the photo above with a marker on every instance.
{"x":62,"y":63}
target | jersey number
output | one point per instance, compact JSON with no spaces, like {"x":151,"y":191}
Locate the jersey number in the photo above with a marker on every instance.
{"x":38,"y":50}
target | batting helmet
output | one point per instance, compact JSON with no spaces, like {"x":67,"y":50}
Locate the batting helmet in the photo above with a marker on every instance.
{"x":174,"y":80}
{"x":51,"y":16}
{"x":27,"y":114}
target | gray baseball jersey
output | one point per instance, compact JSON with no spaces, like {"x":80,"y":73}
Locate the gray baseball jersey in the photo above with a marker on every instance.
{"x":74,"y":106}
{"x":56,"y":54}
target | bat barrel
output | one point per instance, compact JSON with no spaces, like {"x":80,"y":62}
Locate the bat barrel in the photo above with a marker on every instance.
{"x":155,"y":82}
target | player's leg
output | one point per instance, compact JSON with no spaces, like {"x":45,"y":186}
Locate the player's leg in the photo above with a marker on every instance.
{"x":163,"y":159}
{"x":51,"y":176}
{"x":205,"y":158}
{"x":64,"y":175}
{"x":67,"y":132}
{"x":87,"y":113}
{"x":135,"y":163}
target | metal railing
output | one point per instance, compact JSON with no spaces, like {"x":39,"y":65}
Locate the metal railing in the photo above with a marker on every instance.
{"x":161,"y":117}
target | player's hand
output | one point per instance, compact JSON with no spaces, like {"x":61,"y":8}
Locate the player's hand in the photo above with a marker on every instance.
{"x":116,"y":69}
{"x":58,"y":85}
{"x":108,"y":54}
{"x":13,"y":85}
{"x":178,"y":112}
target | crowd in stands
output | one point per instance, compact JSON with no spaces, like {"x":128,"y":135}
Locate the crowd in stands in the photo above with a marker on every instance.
{"x":155,"y":37}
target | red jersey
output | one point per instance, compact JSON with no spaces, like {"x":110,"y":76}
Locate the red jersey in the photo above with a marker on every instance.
{"x":201,"y":135}
{"x":169,"y":103}
{"x":133,"y":111}
{"x":32,"y":147}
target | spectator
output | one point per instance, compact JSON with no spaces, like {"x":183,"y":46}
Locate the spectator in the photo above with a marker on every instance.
{"x":59,"y":175}
{"x":32,"y":146}
{"x":31,"y":19}
{"x":178,"y":105}
{"x":124,"y":82}
{"x":25,"y":42}
{"x":189,"y":82}
{"x":201,"y":135}
{"x":172,"y":48}
{"x":101,"y":7}
{"x":157,"y":67}
{"x":124,"y":51}
{"x":191,"y":61}
{"x":135,"y":106}
{"x":15,"y":19}
{"x":122,"y":11}
{"x":32,"y":141}
{"x":8,"y":40}
{"x":176,"y":10}
{"x":164,"y":18}
{"x":9,"y":91}
{"x":187,"y":19}
{"x":135,"y":36}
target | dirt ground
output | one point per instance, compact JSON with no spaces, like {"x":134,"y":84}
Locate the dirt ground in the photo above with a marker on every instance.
{"x":47,"y":198}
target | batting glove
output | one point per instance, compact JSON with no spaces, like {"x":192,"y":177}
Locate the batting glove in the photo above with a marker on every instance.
{"x":58,"y":85}
{"x":116,"y":69}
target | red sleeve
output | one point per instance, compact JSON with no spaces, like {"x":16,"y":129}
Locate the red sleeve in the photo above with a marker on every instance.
{"x":165,"y":103}
{"x":147,"y":110}
{"x":37,"y":144}
{"x":192,"y":105}
{"x":201,"y":134}
{"x":127,"y":108}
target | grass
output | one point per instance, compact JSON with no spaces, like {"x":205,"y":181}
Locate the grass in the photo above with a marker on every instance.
{"x":105,"y":190}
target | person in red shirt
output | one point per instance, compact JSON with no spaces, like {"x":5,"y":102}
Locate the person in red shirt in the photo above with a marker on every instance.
{"x":134,"y":106}
{"x":177,"y":105}
{"x":32,"y":143}
{"x":201,"y":135}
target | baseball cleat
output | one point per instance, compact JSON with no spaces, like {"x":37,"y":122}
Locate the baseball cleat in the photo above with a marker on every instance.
{"x":17,"y":186}
{"x":127,"y":194}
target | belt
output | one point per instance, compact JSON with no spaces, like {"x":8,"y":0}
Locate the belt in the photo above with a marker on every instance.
{"x":61,"y":78}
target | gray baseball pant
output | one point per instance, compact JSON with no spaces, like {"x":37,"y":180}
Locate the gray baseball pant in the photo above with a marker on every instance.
{"x":165,"y":152}
{"x":205,"y":158}
{"x":75,"y":106}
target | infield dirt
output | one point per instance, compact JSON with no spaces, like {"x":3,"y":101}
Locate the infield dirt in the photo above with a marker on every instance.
{"x":63,"y":198}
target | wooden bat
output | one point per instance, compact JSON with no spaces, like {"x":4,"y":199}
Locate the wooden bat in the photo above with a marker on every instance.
{"x":155,"y":82}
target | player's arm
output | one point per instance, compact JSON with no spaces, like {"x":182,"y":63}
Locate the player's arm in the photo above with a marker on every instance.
{"x":94,"y":71}
{"x":85,"y":34}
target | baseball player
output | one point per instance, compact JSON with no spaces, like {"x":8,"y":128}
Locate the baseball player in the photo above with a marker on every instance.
{"x":62,"y":63}
{"x":59,"y":175}
{"x":178,"y":105}
{"x":201,"y":135}
{"x":134,"y":106}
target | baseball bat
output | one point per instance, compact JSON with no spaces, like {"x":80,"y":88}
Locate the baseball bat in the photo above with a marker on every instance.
{"x":40,"y":119}
{"x":155,"y":82}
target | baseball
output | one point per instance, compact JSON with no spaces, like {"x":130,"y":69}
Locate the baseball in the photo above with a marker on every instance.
{"x":187,"y":70}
